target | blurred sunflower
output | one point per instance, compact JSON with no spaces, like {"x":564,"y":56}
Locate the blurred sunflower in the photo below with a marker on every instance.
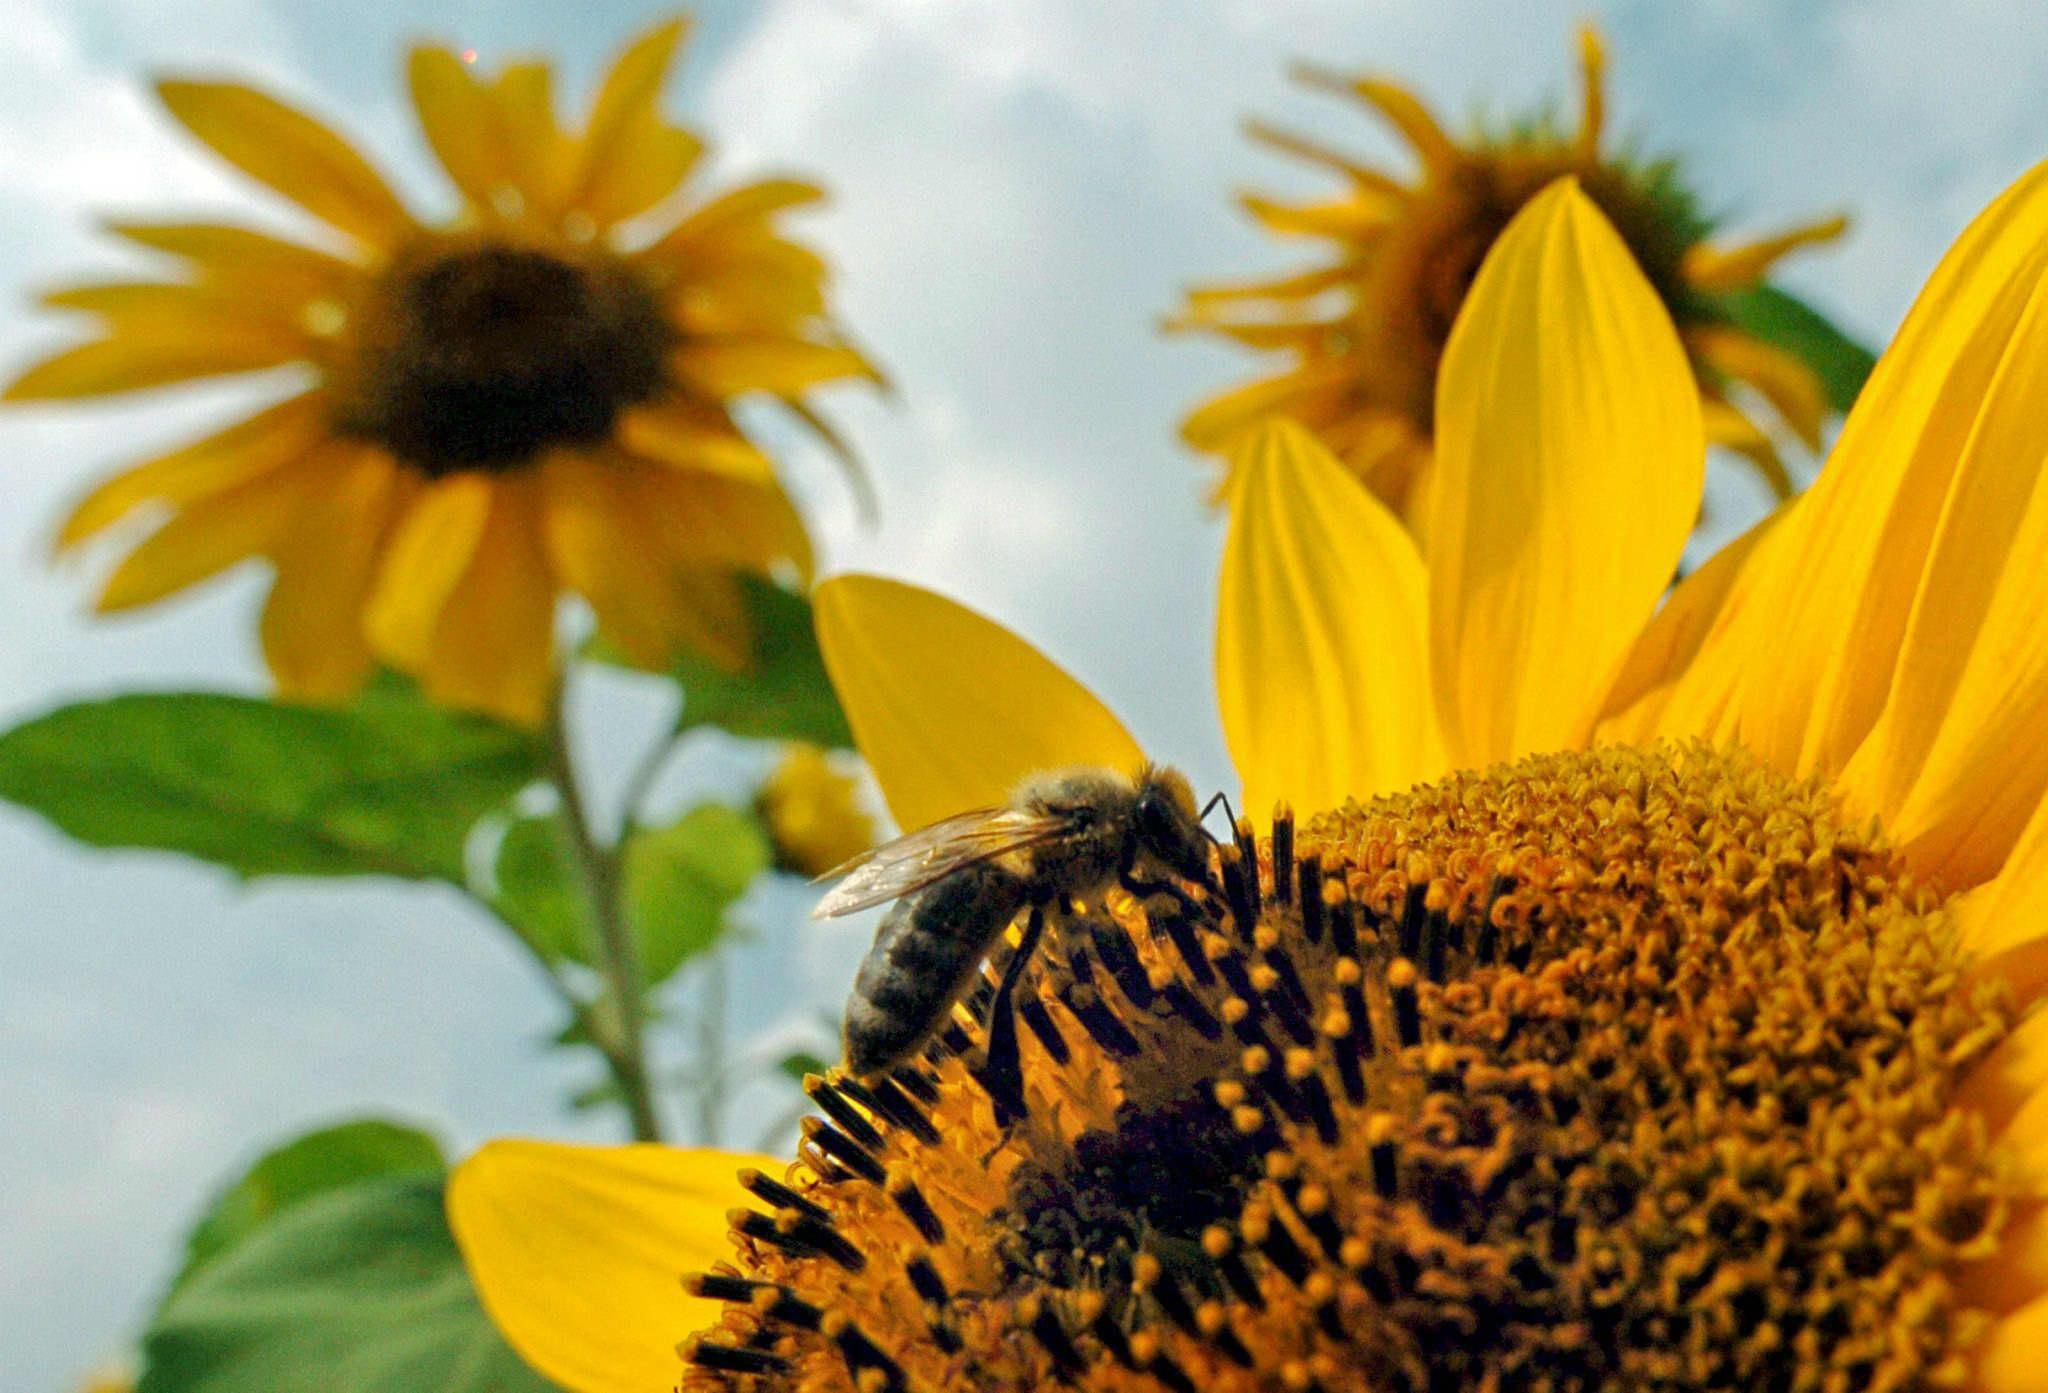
{"x":813,"y":812}
{"x":535,"y":397}
{"x":1362,"y":334}
{"x":1661,"y":1018}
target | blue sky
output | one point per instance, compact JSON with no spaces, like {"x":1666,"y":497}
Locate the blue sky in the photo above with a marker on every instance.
{"x":1022,"y":188}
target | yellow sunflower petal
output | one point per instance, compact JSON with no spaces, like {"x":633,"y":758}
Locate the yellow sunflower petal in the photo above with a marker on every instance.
{"x":1350,"y":219}
{"x":2004,"y":922}
{"x":1651,"y":694}
{"x":1401,"y":108}
{"x":950,"y":708}
{"x":1302,"y":148}
{"x":254,"y":262}
{"x":1302,"y":394}
{"x":691,"y":437}
{"x":312,"y":627}
{"x":630,"y":158}
{"x":429,"y":552}
{"x":536,"y":151}
{"x":2009,"y":1360}
{"x":1955,"y":763}
{"x":1792,"y":388}
{"x":1915,"y":540}
{"x":1569,"y":463}
{"x":2017,"y":1275}
{"x":135,"y":361}
{"x":1592,"y":90}
{"x":727,"y":524}
{"x":292,"y":153}
{"x":578,"y":1252}
{"x":1731,"y":268}
{"x":1302,"y":285}
{"x":607,"y":549}
{"x":209,"y":535}
{"x":1322,"y":659}
{"x":494,"y":647}
{"x":273,"y":436}
{"x":734,"y":366}
{"x":459,"y":117}
{"x":1732,"y":430}
{"x":742,"y":209}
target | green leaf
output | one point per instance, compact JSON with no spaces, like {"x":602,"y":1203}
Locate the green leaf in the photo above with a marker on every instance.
{"x":536,"y":889}
{"x":310,"y":1165}
{"x":357,"y":1290}
{"x":389,"y":785}
{"x":1786,"y":322}
{"x":783,"y":692}
{"x":681,"y":879}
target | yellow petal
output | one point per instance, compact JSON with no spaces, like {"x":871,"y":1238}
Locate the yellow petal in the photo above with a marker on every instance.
{"x":134,"y":361}
{"x":428,"y":554}
{"x":2004,"y":923}
{"x":273,"y":436}
{"x":209,"y":535}
{"x":1569,"y":463}
{"x":950,"y":708}
{"x":494,"y":647}
{"x":1872,"y":520}
{"x":609,"y":549}
{"x":688,"y":436}
{"x":292,"y":153}
{"x":726,"y":524}
{"x":1955,"y":763}
{"x":742,"y":209}
{"x":1355,"y":218}
{"x":536,"y":151}
{"x":1732,"y":430}
{"x":312,"y":627}
{"x":578,"y":1252}
{"x":254,"y":262}
{"x":1401,"y":108}
{"x":1592,"y":90}
{"x":1302,"y":148}
{"x":459,"y":117}
{"x":1302,"y":394}
{"x":1731,"y":268}
{"x":1792,"y":388}
{"x":2017,"y":1274}
{"x":630,"y":158}
{"x":1322,"y":658}
{"x":1653,"y":693}
{"x":2009,"y":1360}
{"x":734,"y":366}
{"x":1300,"y":286}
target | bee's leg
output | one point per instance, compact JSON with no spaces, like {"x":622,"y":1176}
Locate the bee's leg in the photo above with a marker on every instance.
{"x":1003,"y":1074}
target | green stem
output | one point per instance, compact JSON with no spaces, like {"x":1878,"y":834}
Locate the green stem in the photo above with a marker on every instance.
{"x":597,"y":866}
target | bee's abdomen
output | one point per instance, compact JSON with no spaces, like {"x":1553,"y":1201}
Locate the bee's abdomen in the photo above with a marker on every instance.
{"x":925,"y":951}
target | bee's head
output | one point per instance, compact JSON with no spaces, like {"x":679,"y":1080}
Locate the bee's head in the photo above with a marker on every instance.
{"x":1167,"y":824}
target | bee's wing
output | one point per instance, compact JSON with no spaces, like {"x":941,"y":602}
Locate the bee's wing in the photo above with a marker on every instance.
{"x":916,"y":859}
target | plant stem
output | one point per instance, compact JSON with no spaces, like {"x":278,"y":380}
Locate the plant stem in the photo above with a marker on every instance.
{"x":598,"y":868}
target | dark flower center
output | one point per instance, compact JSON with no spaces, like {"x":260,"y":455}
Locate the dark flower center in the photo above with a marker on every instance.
{"x":484,"y":357}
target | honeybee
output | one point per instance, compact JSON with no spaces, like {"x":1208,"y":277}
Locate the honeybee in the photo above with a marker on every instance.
{"x":959,"y":882}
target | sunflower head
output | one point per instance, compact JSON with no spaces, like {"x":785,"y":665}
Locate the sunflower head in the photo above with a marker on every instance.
{"x":1627,"y":1070}
{"x":535,"y":398}
{"x":1361,"y":336}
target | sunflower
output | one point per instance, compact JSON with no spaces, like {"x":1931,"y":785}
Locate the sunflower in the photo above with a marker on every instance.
{"x":1642,"y":1000}
{"x":535,"y":397}
{"x":1362,"y":333}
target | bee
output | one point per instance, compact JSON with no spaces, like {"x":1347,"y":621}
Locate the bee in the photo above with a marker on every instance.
{"x":959,"y":882}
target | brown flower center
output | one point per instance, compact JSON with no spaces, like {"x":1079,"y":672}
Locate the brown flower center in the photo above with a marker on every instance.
{"x":1597,"y":1073}
{"x":483,"y":356}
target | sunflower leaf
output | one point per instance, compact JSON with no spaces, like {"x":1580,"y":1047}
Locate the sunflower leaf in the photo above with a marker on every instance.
{"x":387,"y":786}
{"x":300,"y":1169}
{"x":1785,"y":321}
{"x":356,"y":1290}
{"x":681,"y":879}
{"x":536,"y":890}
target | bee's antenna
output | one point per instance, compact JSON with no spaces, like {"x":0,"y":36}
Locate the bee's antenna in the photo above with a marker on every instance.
{"x":1209,"y":807}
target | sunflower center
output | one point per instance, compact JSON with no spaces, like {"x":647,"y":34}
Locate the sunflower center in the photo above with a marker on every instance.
{"x":1626,"y":1070}
{"x":484,"y":356}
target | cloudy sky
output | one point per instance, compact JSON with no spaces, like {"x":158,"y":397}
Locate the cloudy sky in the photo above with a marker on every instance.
{"x":1022,"y":186}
